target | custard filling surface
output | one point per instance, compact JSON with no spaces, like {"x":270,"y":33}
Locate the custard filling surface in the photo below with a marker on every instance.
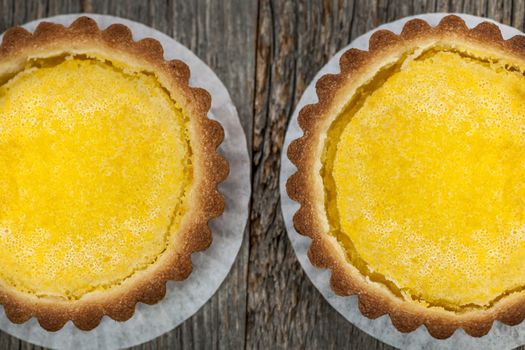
{"x":425,"y":182}
{"x":95,"y":164}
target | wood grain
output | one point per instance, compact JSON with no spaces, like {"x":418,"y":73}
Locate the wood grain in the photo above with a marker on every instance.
{"x":266,"y":52}
{"x":295,"y":39}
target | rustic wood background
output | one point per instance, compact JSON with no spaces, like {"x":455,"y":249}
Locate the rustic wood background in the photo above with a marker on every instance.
{"x":266,"y":52}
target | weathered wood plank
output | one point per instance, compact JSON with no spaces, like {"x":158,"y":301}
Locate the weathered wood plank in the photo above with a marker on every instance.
{"x":227,"y":44}
{"x":222,"y":41}
{"x":294,"y":40}
{"x":14,"y":13}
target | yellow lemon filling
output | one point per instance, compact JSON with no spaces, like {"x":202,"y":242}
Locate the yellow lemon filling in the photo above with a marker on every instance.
{"x":95,"y":164}
{"x":425,"y":182}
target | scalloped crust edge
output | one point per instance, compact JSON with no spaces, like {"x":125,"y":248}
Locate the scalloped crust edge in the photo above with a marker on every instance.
{"x":303,"y":186}
{"x":210,"y":168}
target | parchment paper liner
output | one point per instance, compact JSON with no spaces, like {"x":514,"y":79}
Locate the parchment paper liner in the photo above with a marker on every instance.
{"x":500,"y":336}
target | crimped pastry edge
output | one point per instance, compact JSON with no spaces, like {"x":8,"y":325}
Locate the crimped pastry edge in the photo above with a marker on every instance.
{"x":306,"y":186}
{"x":205,"y":202}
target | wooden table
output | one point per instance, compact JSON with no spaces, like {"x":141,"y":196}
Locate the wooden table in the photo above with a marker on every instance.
{"x":266,"y":52}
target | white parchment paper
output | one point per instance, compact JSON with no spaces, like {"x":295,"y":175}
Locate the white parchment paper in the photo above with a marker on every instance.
{"x":210,"y":267}
{"x":500,"y":336}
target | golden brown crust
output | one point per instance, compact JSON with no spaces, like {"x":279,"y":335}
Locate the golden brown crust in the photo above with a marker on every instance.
{"x":205,"y":202}
{"x":305,"y":186}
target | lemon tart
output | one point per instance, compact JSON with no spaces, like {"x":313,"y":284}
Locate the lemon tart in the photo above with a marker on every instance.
{"x":411,"y":177}
{"x":108,"y":173}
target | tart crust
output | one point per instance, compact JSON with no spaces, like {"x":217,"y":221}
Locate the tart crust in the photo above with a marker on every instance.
{"x":306,"y":185}
{"x":209,"y":169}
